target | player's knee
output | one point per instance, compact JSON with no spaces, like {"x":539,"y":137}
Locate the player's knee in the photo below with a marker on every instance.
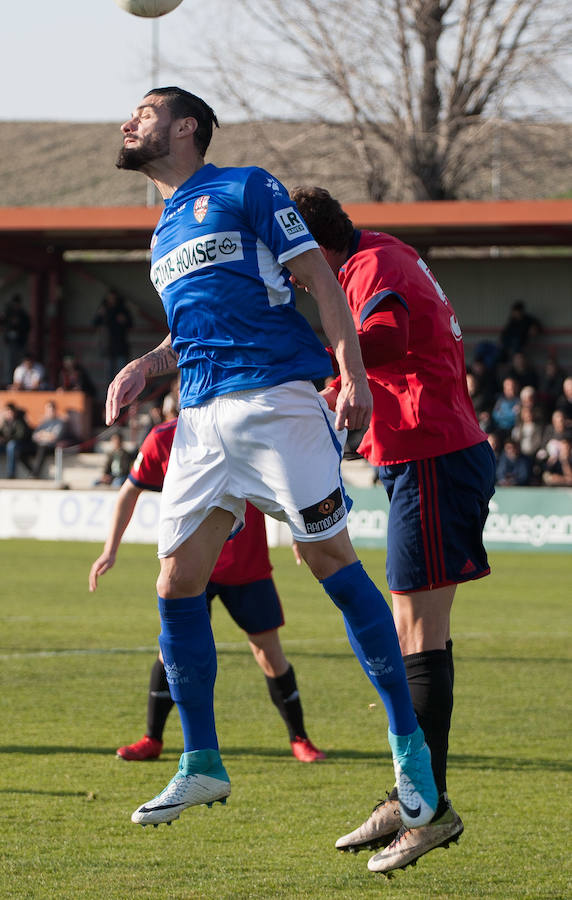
{"x":170,"y":586}
{"x":325,"y":558}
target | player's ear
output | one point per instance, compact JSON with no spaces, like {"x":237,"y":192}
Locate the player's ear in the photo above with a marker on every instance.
{"x":187,"y":126}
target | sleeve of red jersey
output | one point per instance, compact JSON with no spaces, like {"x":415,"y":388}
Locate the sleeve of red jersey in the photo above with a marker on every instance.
{"x":368,"y":279}
{"x":147,"y":471}
{"x":385,"y":335}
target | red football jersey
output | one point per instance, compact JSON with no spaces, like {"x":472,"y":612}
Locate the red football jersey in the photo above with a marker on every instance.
{"x":245,"y":558}
{"x":421,"y":405}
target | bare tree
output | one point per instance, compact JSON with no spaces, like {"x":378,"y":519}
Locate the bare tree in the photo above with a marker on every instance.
{"x":416,"y":85}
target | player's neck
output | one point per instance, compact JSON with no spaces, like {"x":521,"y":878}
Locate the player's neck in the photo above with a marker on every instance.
{"x":173,"y":175}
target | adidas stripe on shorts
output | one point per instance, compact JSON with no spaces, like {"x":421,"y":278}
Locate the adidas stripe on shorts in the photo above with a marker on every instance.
{"x":438,"y":508}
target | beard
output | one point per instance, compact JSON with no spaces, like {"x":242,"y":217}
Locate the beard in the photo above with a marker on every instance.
{"x":154,"y":146}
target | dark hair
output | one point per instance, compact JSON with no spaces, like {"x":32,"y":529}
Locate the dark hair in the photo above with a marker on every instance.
{"x":324,"y":216}
{"x":181,"y":104}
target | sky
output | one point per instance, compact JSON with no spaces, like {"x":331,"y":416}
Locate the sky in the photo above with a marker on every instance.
{"x":85,"y":60}
{"x":90,"y":61}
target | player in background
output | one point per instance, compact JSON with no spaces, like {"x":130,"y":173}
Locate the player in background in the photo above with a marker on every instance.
{"x":252,"y":426}
{"x":438,"y":470}
{"x":241,"y":578}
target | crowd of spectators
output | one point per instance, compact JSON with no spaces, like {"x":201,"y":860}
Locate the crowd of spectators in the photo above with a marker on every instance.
{"x":32,"y":447}
{"x":525,"y":411}
{"x":21,"y":371}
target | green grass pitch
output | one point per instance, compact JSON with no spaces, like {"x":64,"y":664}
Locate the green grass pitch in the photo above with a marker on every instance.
{"x":74,"y":672}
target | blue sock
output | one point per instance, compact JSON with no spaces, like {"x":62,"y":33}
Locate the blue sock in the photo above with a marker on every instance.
{"x":189,"y":653}
{"x":373,"y":638}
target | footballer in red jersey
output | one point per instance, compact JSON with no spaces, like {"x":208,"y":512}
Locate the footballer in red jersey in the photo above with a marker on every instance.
{"x":439,"y":473}
{"x":241,"y":578}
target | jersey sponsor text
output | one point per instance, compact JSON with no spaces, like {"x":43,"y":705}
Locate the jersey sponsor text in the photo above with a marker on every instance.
{"x":207,"y":250}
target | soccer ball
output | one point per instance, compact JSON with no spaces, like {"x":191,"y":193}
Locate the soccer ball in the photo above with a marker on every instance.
{"x":149,"y":9}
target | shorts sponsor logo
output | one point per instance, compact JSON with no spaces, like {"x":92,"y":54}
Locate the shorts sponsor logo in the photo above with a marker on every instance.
{"x":206,"y":250}
{"x":200,"y":207}
{"x":291,"y":222}
{"x":323,"y":515}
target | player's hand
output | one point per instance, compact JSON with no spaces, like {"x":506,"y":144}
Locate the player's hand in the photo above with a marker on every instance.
{"x":330,"y":395}
{"x":100,"y":567}
{"x":354,"y":405}
{"x":125,"y":387}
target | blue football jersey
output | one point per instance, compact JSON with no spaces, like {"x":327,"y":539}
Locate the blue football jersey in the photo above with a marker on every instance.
{"x":219,"y":262}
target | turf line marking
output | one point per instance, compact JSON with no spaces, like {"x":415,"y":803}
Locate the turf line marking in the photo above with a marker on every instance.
{"x":103,"y":651}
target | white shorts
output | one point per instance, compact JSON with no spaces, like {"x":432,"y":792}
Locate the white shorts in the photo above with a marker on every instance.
{"x":276,"y":447}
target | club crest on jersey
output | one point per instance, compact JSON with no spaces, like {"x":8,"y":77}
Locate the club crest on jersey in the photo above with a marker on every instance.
{"x":200,"y":207}
{"x":323,"y":515}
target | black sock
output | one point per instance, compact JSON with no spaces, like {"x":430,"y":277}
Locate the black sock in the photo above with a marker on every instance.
{"x":449,"y":649}
{"x":159,"y":704}
{"x":285,"y":697}
{"x":429,"y":680}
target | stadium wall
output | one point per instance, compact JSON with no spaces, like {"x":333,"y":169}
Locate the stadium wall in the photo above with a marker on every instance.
{"x":523,"y":519}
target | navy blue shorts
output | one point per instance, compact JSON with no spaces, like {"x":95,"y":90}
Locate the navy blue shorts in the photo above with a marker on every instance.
{"x":255,"y":607}
{"x":437,"y":512}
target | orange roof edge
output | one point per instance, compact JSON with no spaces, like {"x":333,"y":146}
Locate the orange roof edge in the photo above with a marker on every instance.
{"x":78,"y":218}
{"x":386,"y":215}
{"x":461,"y":212}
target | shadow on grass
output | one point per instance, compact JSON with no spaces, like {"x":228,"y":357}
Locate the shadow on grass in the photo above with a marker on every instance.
{"x":335,"y":755}
{"x":29,"y":791}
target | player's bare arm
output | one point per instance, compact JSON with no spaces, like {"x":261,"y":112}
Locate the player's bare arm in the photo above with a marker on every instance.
{"x":354,"y":401}
{"x":130,"y":381}
{"x":122,"y":513}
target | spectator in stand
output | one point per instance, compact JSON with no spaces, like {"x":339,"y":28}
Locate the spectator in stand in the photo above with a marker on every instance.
{"x":553,"y":435}
{"x":495,"y":441}
{"x":117,"y":463}
{"x":520,"y":327}
{"x":171,"y":398}
{"x":477,"y":394}
{"x":523,"y":370}
{"x":550,"y":385}
{"x":528,"y":431}
{"x":558,"y":472}
{"x":30,"y":375}
{"x":52,"y":431}
{"x":75,"y":377}
{"x":487,"y":379}
{"x":529,"y":400}
{"x":15,"y":439}
{"x":15,"y":323}
{"x":528,"y":434}
{"x":564,"y":401}
{"x":506,"y":407}
{"x":114,"y":321}
{"x":513,"y":468}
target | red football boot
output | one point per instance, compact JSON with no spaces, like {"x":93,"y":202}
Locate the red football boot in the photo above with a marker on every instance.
{"x":304,"y":750}
{"x":146,"y":748}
